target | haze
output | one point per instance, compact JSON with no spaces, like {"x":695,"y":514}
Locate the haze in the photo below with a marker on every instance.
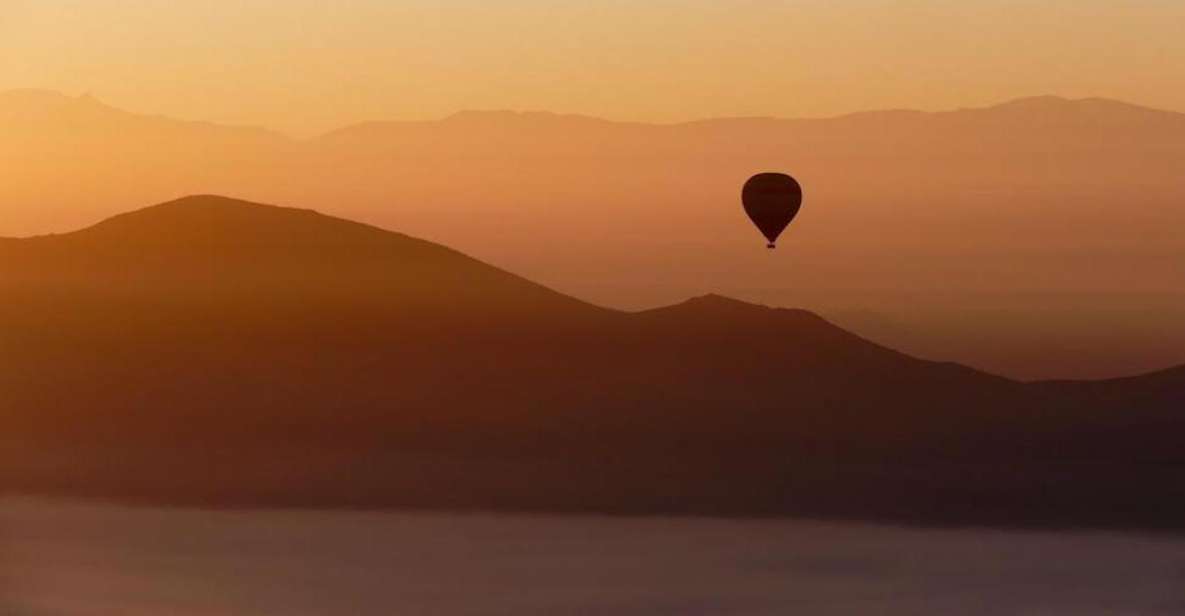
{"x":471,"y":284}
{"x":305,"y":66}
{"x":1023,"y":233}
{"x":1036,"y":238}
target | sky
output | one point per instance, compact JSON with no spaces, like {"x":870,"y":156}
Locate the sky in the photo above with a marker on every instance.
{"x":308,"y":66}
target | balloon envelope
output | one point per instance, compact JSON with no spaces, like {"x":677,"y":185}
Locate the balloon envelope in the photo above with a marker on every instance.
{"x":771,"y":200}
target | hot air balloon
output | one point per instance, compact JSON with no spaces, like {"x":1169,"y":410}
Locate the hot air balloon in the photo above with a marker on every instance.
{"x":771,"y":200}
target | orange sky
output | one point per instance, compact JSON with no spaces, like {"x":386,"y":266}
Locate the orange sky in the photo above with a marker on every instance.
{"x":305,"y":66}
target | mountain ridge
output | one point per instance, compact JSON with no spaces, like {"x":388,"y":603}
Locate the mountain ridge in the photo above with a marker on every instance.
{"x":361,"y":378}
{"x":906,"y":212}
{"x":32,"y":99}
{"x":1047,"y":105}
{"x":238,"y":221}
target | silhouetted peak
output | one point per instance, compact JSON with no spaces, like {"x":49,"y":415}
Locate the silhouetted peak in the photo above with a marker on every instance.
{"x":208,"y":219}
{"x":715,"y":306}
{"x":1047,"y":101}
{"x":48,"y":101}
{"x":1067,"y":107}
{"x":1043,"y":108}
{"x":38,"y":111}
{"x":214,"y":205}
{"x":714,"y":300}
{"x":204,"y":208}
{"x":208,"y":202}
{"x":1061,"y":102}
{"x":717,"y":315}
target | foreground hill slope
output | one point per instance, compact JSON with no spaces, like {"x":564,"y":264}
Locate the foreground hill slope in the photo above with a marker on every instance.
{"x":216,"y":351}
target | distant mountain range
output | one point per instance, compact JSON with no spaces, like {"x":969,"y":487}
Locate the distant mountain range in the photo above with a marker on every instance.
{"x":1037,"y":238}
{"x":218,"y":352}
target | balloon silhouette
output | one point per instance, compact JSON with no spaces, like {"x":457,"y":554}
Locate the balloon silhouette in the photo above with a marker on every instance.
{"x":771,"y":201}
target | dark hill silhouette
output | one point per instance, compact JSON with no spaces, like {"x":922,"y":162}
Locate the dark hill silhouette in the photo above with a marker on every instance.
{"x":209,"y":249}
{"x":220,"y":352}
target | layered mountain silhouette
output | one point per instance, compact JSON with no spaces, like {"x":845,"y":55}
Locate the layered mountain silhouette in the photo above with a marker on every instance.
{"x":219,"y":352}
{"x":1016,"y":237}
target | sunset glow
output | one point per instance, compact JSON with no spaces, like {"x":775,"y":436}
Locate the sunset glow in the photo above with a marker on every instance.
{"x":304,"y":66}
